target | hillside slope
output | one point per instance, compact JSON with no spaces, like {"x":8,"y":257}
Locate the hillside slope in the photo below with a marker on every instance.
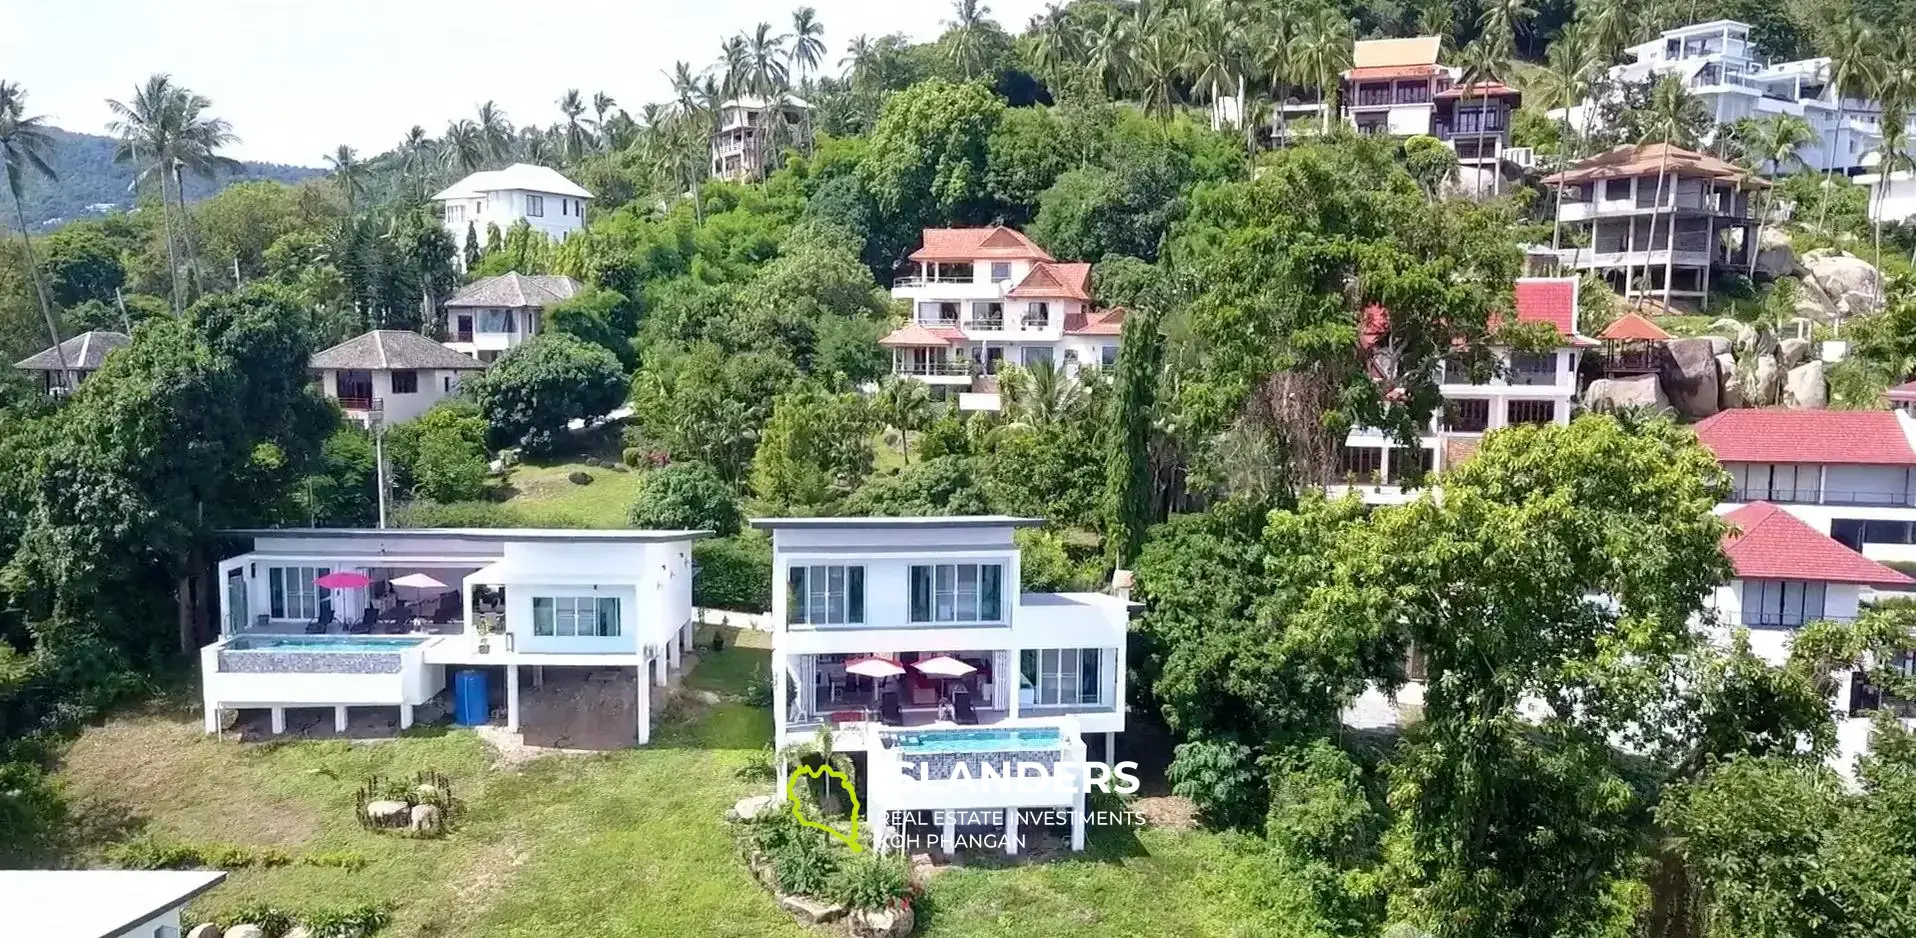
{"x":90,"y":182}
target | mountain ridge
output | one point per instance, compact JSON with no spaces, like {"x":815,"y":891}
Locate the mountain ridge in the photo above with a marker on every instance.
{"x":89,"y":183}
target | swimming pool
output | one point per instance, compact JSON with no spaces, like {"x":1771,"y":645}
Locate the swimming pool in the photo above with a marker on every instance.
{"x":359,"y":644}
{"x":1008,"y":739}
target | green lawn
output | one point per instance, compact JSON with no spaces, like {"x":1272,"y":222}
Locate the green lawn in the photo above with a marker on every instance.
{"x":624,"y":843}
{"x":546,"y":498}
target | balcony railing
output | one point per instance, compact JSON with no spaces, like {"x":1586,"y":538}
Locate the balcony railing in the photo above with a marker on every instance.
{"x":463,"y":335}
{"x":356,"y":402}
{"x":985,"y":323}
{"x":916,"y":280}
{"x":1774,"y":620}
{"x":1831,"y":497}
{"x":945,"y":369}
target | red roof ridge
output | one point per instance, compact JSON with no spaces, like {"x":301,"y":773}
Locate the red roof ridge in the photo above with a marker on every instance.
{"x":1766,"y":542}
{"x":1634,"y":327}
{"x":1829,"y":437}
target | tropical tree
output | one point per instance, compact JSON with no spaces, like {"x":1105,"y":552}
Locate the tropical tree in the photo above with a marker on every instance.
{"x":1611,"y":25}
{"x":463,"y":148}
{"x":859,"y":63}
{"x":1319,"y":55}
{"x":1281,"y":23}
{"x":1571,"y":67}
{"x":1850,"y":45}
{"x":1040,"y":395}
{"x":1893,"y":155}
{"x":166,"y":131}
{"x":417,"y":157}
{"x":1775,"y":142}
{"x":808,"y":44}
{"x":766,"y":73}
{"x":1055,"y":43}
{"x":903,"y":404}
{"x":1486,"y":60}
{"x":575,"y":138}
{"x":495,"y":132}
{"x":1671,"y":119}
{"x":604,"y":107}
{"x":1112,"y":51}
{"x":1500,"y":22}
{"x":349,"y":174}
{"x":967,"y":27}
{"x":24,"y":145}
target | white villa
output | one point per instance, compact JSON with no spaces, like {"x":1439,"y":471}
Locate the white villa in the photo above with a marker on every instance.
{"x":1398,"y":87}
{"x":101,"y":903}
{"x":389,"y":375}
{"x":982,"y":298}
{"x":537,"y":195}
{"x":740,"y":142}
{"x":491,"y":315}
{"x":1719,"y":64}
{"x":354,"y":618}
{"x":980,"y":671}
{"x":1896,"y":205}
{"x":83,"y":354}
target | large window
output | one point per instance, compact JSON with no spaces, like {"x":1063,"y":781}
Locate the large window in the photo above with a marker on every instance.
{"x":1781,"y":602}
{"x":576,"y":616}
{"x":1780,"y":482}
{"x":1522,"y":412}
{"x":536,"y":206}
{"x":497,"y":320}
{"x":1037,"y":315}
{"x":960,"y":592}
{"x":1000,"y":271}
{"x":1531,"y":368}
{"x":405,"y":382}
{"x":1064,"y":676}
{"x":1467,"y":416}
{"x":293,"y":594}
{"x":1107,"y":356}
{"x":825,"y":595}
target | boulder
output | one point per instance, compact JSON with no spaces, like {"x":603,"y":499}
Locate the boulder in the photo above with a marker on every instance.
{"x":245,"y":931}
{"x":1811,"y":303}
{"x":1844,"y":278}
{"x":810,"y":911}
{"x":388,"y":813}
{"x":204,"y":930}
{"x":1794,"y":352}
{"x":298,"y":931}
{"x":1694,"y":383}
{"x":895,"y":921}
{"x":1766,"y":384}
{"x":1774,"y":254}
{"x":1610,"y":393}
{"x":749,"y":809}
{"x":1805,"y":388}
{"x":1719,"y":345}
{"x":1731,"y":393}
{"x":427,"y":818}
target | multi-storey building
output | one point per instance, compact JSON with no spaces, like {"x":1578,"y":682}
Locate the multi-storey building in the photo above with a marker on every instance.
{"x":389,"y":375}
{"x":75,"y":360}
{"x":1397,"y":87}
{"x":1621,"y":206}
{"x":911,"y":636}
{"x":1718,"y":63}
{"x":537,"y":195}
{"x":746,"y":137}
{"x":492,"y":315}
{"x":982,"y":298}
{"x":1523,"y":388}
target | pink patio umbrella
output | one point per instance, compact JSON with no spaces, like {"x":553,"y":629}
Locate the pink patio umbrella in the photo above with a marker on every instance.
{"x":342,"y":580}
{"x":944,"y":668}
{"x":874,"y":667}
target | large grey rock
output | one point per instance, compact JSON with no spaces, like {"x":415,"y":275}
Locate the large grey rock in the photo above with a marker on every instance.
{"x":810,"y":911}
{"x":1611,"y":393}
{"x":245,"y":931}
{"x":1766,"y":383}
{"x":1730,"y":395}
{"x":388,"y":813}
{"x":1843,"y":278}
{"x":1775,"y":256}
{"x":1806,"y":389}
{"x":427,"y":819}
{"x":893,"y":922}
{"x":748,"y":809}
{"x":1693,"y":382}
{"x":1794,"y":352}
{"x":1810,"y":302}
{"x":204,"y":930}
{"x":1719,"y":345}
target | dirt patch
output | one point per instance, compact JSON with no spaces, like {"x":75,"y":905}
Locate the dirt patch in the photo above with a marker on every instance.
{"x":1174,"y":812}
{"x":581,"y":708}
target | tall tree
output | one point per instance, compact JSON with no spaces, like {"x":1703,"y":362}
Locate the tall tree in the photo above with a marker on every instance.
{"x":463,"y":149}
{"x":903,"y":404}
{"x":967,"y":25}
{"x":1672,"y":120}
{"x":1850,"y":45}
{"x":575,"y":139}
{"x":860,"y":61}
{"x":1571,"y":68}
{"x":1320,"y":53}
{"x":1773,"y":144}
{"x":417,"y":157}
{"x":1129,"y":493}
{"x":808,"y":43}
{"x":166,"y":131}
{"x":1055,"y":43}
{"x":349,"y":174}
{"x":766,"y":73}
{"x":24,"y":144}
{"x":495,"y":132}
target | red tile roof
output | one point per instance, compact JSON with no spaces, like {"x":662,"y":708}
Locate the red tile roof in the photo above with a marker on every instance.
{"x":973,"y":244}
{"x":912,"y":334}
{"x":1833,"y":437}
{"x":1097,"y":322}
{"x":1903,"y":392}
{"x":1377,"y":72}
{"x":1548,"y":299}
{"x":1769,"y":543}
{"x":1051,"y":279}
{"x":1634,"y":327}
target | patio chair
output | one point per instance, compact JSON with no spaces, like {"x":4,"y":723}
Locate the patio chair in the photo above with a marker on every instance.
{"x":889,"y":711}
{"x":961,"y":709}
{"x":316,"y":627}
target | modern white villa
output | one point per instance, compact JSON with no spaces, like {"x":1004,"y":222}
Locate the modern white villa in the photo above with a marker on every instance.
{"x":389,"y":375}
{"x":100,"y":903}
{"x":743,"y":140}
{"x":83,"y":355}
{"x":339,"y":619}
{"x":1524,"y":388}
{"x":910,"y":640}
{"x":982,"y":298}
{"x":537,"y":195}
{"x":491,"y":315}
{"x":1719,"y":64}
{"x":1896,"y":205}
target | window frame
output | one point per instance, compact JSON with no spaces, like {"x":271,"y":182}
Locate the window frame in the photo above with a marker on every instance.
{"x":1064,"y":677}
{"x":300,"y":599}
{"x":566,"y":616}
{"x":411,"y":376}
{"x":840,"y":606}
{"x":938,"y":592}
{"x":535,"y":206}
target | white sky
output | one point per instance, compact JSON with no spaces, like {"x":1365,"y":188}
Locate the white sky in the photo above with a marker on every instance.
{"x":296,"y":79}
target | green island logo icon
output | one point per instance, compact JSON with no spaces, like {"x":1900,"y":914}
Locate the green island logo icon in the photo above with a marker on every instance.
{"x":798,"y":811}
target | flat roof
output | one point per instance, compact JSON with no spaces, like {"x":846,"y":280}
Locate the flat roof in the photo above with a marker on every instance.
{"x":915,"y":521}
{"x":478,"y":534}
{"x":95,"y":903}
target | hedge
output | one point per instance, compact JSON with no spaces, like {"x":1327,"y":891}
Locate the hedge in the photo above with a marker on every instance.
{"x":733,"y":573}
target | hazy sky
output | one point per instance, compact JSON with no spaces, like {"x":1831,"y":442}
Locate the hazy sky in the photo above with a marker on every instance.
{"x":296,"y":79}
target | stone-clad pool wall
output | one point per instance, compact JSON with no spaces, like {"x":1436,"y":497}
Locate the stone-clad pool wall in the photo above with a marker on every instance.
{"x":939,"y":765}
{"x":310,"y":662}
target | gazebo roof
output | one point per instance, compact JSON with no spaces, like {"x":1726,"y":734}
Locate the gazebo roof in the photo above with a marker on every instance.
{"x":1634,"y":327}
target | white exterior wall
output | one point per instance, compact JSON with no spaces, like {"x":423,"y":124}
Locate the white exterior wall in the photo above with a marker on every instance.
{"x":1089,"y":349}
{"x":925,"y":295}
{"x":1898,"y":204}
{"x":563,"y":214}
{"x":157,"y":926}
{"x":526,"y":323}
{"x":434,"y":386}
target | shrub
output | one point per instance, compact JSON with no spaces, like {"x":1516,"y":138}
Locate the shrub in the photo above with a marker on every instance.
{"x":733,"y":573}
{"x":804,"y":863}
{"x":357,"y":921}
{"x":533,"y":390}
{"x":631,"y":456}
{"x":869,"y":881}
{"x":758,"y":689}
{"x":271,"y":919}
{"x":686,"y":496}
{"x":342,"y":859}
{"x":449,"y":468}
{"x":30,"y":805}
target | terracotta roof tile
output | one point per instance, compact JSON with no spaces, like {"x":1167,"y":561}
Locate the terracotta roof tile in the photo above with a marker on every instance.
{"x":1832,"y":437}
{"x":1098,"y":322}
{"x":1903,"y":392}
{"x":971,"y":244}
{"x":1548,"y":299}
{"x":1629,"y":161}
{"x":1052,"y":279}
{"x":1768,"y":543}
{"x":1634,"y":327}
{"x":912,"y":334}
{"x":384,"y":349}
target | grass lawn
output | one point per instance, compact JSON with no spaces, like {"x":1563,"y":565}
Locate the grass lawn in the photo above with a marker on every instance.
{"x":546,"y":498}
{"x":623,"y":843}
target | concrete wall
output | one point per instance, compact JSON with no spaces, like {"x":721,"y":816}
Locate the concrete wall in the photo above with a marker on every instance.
{"x":562,"y":215}
{"x":433,"y":387}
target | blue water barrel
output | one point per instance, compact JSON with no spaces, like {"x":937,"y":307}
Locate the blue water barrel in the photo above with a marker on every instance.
{"x":470,"y":704}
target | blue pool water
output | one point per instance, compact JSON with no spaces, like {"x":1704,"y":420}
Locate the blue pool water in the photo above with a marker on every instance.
{"x":983,"y":740}
{"x":322,"y":643}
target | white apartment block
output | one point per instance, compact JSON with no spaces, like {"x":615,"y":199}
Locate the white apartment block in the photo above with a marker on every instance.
{"x":982,"y":298}
{"x":745,"y":137}
{"x":493,"y":315}
{"x":1719,"y":64}
{"x":980,"y":669}
{"x":1896,"y":205}
{"x":537,"y":195}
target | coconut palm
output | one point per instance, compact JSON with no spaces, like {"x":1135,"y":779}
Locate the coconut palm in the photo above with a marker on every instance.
{"x":904,"y":404}
{"x":1850,"y":45}
{"x":1893,"y":155}
{"x":1112,"y":51}
{"x":1502,"y":20}
{"x":417,"y":157}
{"x":1571,"y":67}
{"x":1437,"y":18}
{"x":1320,"y":54}
{"x":1485,"y":60}
{"x":1280,"y":27}
{"x":1041,"y":395}
{"x":1610,"y":24}
{"x":24,"y":145}
{"x":967,"y":27}
{"x":1774,"y":142}
{"x":732,"y":67}
{"x":349,"y":174}
{"x":166,"y":131}
{"x":1671,"y":119}
{"x":1158,"y":71}
{"x":808,"y":44}
{"x":859,"y":61}
{"x":575,"y":138}
{"x":1213,"y":57}
{"x":495,"y":132}
{"x":1055,"y":44}
{"x":463,"y":148}
{"x":766,"y":71}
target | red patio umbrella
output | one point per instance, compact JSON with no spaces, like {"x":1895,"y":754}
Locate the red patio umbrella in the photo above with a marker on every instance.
{"x":342,"y":580}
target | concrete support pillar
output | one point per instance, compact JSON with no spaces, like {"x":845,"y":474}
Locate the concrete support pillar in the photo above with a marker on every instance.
{"x":672,"y":654}
{"x":1111,"y":748}
{"x":1077,"y":823}
{"x":212,"y":718}
{"x":660,"y":663}
{"x":686,"y":636}
{"x":949,"y":841}
{"x":512,"y":697}
{"x":279,"y":720}
{"x":339,"y":719}
{"x":405,"y":716}
{"x":644,"y":707}
{"x":1011,"y":831}
{"x":538,"y":675}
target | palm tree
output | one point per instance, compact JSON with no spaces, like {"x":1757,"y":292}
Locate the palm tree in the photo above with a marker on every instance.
{"x":1610,"y":24}
{"x":904,"y":404}
{"x":860,"y":55}
{"x":1893,"y":155}
{"x":603,"y":107}
{"x":766,"y":72}
{"x":1041,"y":395}
{"x":417,"y":157}
{"x":24,"y":145}
{"x":1437,"y":18}
{"x":1320,"y":54}
{"x":495,"y":132}
{"x":1850,"y":46}
{"x":574,"y":137}
{"x":1485,"y":60}
{"x":463,"y":148}
{"x":167,"y":131}
{"x":1500,"y":22}
{"x":808,"y":44}
{"x":1572,"y":67}
{"x":1212,"y":55}
{"x":1776,"y":142}
{"x":1671,"y":119}
{"x":1112,"y":52}
{"x":350,"y":175}
{"x":1159,"y":68}
{"x":733,"y":66}
{"x":1280,"y":30}
{"x":1054,"y":43}
{"x":968,"y":41}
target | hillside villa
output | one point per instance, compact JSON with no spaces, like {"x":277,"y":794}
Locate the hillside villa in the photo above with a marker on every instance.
{"x":912,"y":642}
{"x":83,"y":355}
{"x":375,"y":618}
{"x":389,"y":375}
{"x":537,"y":195}
{"x":1398,"y":87}
{"x":742,"y":141}
{"x":492,"y":315}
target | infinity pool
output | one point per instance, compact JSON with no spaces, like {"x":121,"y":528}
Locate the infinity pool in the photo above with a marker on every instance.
{"x":1010,"y":739}
{"x":322,"y":643}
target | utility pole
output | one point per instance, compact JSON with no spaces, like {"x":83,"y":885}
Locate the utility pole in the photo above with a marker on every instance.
{"x":125,"y":320}
{"x":379,"y":458}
